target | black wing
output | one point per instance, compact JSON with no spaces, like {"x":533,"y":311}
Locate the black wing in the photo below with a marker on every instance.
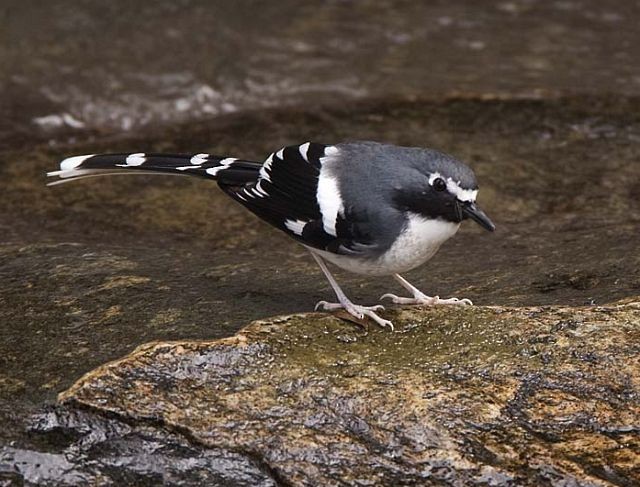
{"x":285,"y":195}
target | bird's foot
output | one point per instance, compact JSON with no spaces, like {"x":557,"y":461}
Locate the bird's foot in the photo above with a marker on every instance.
{"x":357,"y":311}
{"x":424,"y":300}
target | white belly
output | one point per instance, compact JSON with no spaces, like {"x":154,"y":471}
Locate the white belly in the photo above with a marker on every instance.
{"x":419,"y":241}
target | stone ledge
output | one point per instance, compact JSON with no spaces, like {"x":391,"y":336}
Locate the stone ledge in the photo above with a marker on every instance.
{"x":482,"y":395}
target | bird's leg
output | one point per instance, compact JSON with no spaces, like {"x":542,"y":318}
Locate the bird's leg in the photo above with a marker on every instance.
{"x":419,"y":297}
{"x":344,"y":303}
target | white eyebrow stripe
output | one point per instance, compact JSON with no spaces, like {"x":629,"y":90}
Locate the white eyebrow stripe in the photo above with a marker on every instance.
{"x":462,"y":194}
{"x":454,"y":188}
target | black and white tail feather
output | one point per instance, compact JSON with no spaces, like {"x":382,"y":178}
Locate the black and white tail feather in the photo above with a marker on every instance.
{"x":201,"y":165}
{"x":282,"y":190}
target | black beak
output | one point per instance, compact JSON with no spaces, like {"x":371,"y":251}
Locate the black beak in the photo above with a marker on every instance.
{"x":470,"y":210}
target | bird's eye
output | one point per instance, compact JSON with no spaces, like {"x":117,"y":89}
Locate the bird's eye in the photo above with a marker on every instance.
{"x":439,"y":184}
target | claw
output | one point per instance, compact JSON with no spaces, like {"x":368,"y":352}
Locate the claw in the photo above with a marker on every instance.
{"x":356,"y":310}
{"x":382,"y":322}
{"x":455,"y":301}
{"x":424,"y":300}
{"x":344,"y":303}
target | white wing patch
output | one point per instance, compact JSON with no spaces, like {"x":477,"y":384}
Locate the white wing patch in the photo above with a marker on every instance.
{"x":256,"y":191}
{"x":454,"y":188}
{"x":328,"y":194}
{"x":304,"y":149}
{"x":260,"y":190}
{"x":295,"y":226}
{"x":266,"y":167}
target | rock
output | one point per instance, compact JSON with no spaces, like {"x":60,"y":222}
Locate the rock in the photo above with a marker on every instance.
{"x":456,"y":396}
{"x":107,"y":452}
{"x":94,"y":269}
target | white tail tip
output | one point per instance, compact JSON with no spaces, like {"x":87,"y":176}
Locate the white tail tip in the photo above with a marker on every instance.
{"x":73,"y":162}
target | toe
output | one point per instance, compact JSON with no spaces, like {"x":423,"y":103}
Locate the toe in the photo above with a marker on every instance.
{"x":385,"y":323}
{"x":455,"y":301}
{"x":355,"y":310}
{"x":399,"y":299}
{"x":381,"y":321}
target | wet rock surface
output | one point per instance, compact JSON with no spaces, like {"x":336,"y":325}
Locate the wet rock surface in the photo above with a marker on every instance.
{"x":462,"y":396}
{"x":80,"y":448}
{"x":197,"y":66}
{"x":92,"y":270}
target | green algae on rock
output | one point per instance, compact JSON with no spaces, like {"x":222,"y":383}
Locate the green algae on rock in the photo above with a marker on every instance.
{"x":474,"y":396}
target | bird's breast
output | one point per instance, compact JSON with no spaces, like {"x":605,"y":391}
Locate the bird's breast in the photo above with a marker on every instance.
{"x":418,"y":241}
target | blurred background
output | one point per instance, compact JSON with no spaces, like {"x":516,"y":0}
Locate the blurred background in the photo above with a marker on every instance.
{"x":541,"y":98}
{"x":82,"y":65}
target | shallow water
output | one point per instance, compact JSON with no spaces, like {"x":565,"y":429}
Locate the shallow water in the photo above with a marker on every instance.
{"x":71,"y":66}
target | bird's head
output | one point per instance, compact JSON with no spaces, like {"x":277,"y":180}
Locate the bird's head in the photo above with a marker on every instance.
{"x":437,"y":186}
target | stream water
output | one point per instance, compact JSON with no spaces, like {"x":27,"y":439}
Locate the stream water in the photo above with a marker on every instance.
{"x":72,"y":66}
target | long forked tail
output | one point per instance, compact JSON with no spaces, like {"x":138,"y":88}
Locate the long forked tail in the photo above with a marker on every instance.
{"x":226,"y":170}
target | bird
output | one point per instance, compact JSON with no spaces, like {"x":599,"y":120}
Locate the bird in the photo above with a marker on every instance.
{"x":369,"y":208}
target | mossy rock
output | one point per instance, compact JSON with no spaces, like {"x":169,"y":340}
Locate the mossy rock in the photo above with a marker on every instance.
{"x":457,"y":395}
